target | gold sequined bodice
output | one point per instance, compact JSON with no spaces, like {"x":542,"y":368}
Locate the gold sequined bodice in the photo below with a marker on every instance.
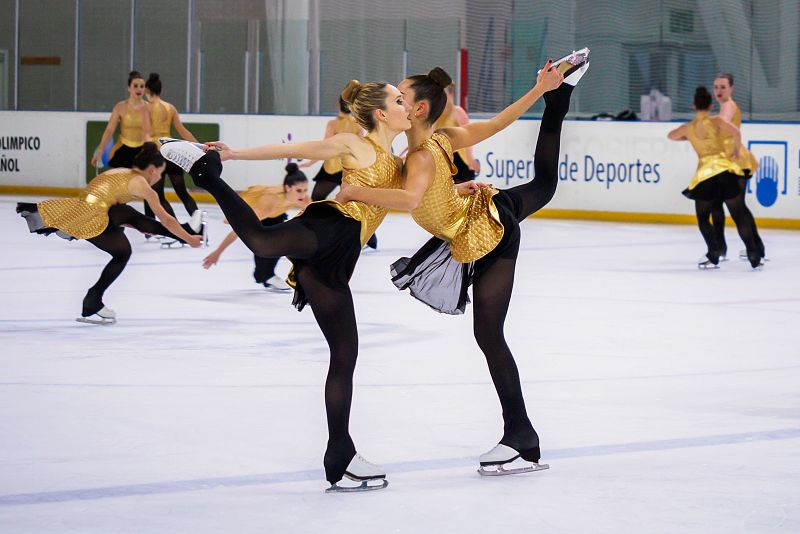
{"x":130,"y":127}
{"x":87,"y":216}
{"x":384,"y":173}
{"x":710,"y":149}
{"x":746,"y":159}
{"x":161,"y":115}
{"x":471,"y":224}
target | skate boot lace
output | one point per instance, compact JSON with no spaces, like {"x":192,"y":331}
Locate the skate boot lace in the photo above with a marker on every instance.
{"x":180,"y":159}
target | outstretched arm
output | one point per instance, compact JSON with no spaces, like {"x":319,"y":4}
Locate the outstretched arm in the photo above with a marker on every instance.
{"x":107,"y":133}
{"x":330,"y":131}
{"x":678,"y":134}
{"x":140,"y":188}
{"x":419,"y":172}
{"x":213,"y":258}
{"x":181,"y":129}
{"x":471,"y":134}
{"x":343,"y":144}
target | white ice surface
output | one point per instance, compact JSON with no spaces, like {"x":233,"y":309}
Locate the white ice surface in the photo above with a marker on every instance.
{"x":667,"y":399}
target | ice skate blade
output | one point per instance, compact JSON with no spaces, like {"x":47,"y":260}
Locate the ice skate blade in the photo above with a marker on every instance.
{"x":499,"y":470}
{"x":273,"y":289}
{"x":706,"y":266}
{"x":103,"y":321}
{"x":376,"y":484}
{"x":171,"y":244}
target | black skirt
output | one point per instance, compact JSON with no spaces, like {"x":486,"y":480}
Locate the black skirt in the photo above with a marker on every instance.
{"x":338,"y":249}
{"x":433,"y":277}
{"x":718,"y":188}
{"x":325,"y":176}
{"x":123,"y":156}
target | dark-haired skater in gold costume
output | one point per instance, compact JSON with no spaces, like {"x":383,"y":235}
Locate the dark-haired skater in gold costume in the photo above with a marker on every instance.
{"x":476,"y":230}
{"x":716,"y":179}
{"x":133,"y":117}
{"x":99,"y":214}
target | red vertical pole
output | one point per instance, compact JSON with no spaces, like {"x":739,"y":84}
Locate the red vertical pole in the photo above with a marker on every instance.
{"x":463,"y":83}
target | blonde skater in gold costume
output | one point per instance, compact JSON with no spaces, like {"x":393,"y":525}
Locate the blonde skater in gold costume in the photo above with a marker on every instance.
{"x":729,"y":111}
{"x":323,"y":242}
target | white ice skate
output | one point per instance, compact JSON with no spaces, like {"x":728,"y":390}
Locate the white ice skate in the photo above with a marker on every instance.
{"x":197,"y":225}
{"x":169,"y":242}
{"x":184,"y":154}
{"x":743,"y":257}
{"x":503,"y":460}
{"x":276,"y":285}
{"x":365,"y":475}
{"x":573,"y":66}
{"x":705,"y":263}
{"x":104,"y":316}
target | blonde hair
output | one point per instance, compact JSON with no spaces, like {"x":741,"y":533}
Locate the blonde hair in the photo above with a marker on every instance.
{"x":363,"y":100}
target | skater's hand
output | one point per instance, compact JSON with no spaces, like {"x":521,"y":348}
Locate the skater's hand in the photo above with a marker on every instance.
{"x":224,"y":150}
{"x":549,"y":78}
{"x":466,"y":189}
{"x":210,"y":260}
{"x":345,"y":193}
{"x":96,"y":158}
{"x":470,"y":188}
{"x":195,"y":241}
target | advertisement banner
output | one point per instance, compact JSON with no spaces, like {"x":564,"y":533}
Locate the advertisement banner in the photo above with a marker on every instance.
{"x":604,"y":167}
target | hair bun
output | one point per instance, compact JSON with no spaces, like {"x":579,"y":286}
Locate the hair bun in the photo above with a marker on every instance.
{"x":440,"y":77}
{"x":149,"y":146}
{"x":351,"y":90}
{"x":292,"y":168}
{"x":153,"y":77}
{"x":134,"y":74}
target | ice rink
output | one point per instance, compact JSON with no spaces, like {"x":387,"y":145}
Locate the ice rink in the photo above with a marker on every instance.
{"x":667,"y":398}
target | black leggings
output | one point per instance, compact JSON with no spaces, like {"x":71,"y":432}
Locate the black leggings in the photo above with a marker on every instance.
{"x":745,"y":225}
{"x":179,"y":185}
{"x":718,"y":220}
{"x":492,"y":289}
{"x":114,"y":242}
{"x":332,"y":307}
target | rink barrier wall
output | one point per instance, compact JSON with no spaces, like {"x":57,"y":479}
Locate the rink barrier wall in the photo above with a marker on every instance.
{"x":614,"y":171}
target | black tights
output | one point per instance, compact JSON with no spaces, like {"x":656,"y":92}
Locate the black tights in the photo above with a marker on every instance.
{"x":492,"y":289}
{"x":114,"y":242}
{"x":333,"y":308}
{"x":718,"y":220}
{"x":179,"y":185}
{"x":745,"y":225}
